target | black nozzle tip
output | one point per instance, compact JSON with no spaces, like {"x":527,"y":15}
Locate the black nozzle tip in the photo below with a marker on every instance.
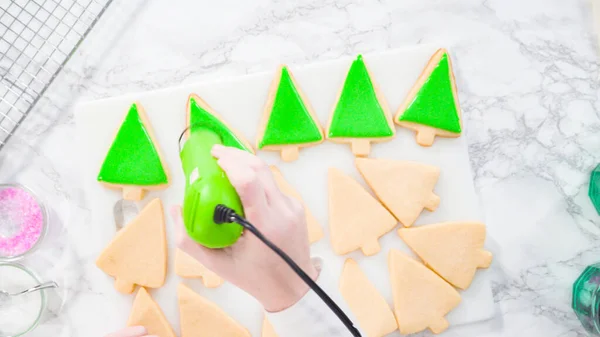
{"x":223,"y":214}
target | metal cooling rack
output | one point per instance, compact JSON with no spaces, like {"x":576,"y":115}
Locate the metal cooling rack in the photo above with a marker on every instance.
{"x":37,"y":38}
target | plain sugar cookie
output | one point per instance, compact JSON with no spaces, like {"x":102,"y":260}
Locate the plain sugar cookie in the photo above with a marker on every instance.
{"x":138,"y":253}
{"x":356,"y":219}
{"x":454,"y":250}
{"x":370,"y":308}
{"x":361,"y":115}
{"x":431,"y":107}
{"x":188,"y":267}
{"x":289,"y":121}
{"x":147,"y":313}
{"x":404,"y":187}
{"x":421,"y":298}
{"x":134,"y":162}
{"x":315,"y":231}
{"x":201,"y":318}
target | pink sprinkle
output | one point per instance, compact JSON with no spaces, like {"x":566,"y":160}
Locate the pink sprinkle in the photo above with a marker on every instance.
{"x":21,"y":221}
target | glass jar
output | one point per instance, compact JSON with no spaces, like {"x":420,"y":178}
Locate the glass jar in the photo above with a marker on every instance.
{"x":23,"y":221}
{"x":586,"y":299}
{"x":20,"y":314}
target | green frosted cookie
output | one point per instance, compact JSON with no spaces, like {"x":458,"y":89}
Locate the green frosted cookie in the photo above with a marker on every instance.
{"x":288,"y":121}
{"x":431,"y":107}
{"x":201,"y":115}
{"x":361,"y":115}
{"x":133,"y":162}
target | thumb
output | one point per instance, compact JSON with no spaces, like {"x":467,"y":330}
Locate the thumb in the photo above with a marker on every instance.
{"x":246,"y":183}
{"x":208,"y":257}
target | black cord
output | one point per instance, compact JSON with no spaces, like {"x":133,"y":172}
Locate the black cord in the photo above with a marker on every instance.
{"x":225,"y":214}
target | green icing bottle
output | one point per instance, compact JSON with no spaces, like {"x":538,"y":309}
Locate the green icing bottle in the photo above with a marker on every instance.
{"x":358,"y":112}
{"x":133,"y":158}
{"x":290,"y":121}
{"x":206,"y":186}
{"x":201,"y":118}
{"x":435,"y":104}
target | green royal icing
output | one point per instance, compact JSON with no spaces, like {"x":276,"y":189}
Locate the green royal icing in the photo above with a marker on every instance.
{"x":200,"y":118}
{"x":434,"y":105}
{"x":290,"y":122}
{"x":358,"y":113}
{"x":132,"y":158}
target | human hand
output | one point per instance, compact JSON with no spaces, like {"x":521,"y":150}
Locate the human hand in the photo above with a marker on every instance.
{"x":134,"y":331}
{"x":249,"y":264}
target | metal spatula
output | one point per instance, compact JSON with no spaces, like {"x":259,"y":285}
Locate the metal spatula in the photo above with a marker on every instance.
{"x":124,"y":211}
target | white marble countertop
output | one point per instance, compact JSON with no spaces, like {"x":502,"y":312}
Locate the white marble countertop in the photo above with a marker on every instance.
{"x":528,"y":86}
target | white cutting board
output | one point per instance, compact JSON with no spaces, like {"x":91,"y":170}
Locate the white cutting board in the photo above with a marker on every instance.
{"x":240,"y":101}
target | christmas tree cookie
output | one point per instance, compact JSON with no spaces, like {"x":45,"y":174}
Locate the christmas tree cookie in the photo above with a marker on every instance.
{"x":454,"y":250}
{"x":188,"y":267}
{"x":431,"y":107}
{"x":138,"y":253}
{"x":404,"y":187}
{"x":370,"y":308}
{"x":201,"y":115}
{"x":315,"y":231}
{"x":147,"y":313}
{"x":202,"y":318}
{"x":356,"y":219}
{"x":134,"y":163}
{"x":361,"y":115}
{"x":421,"y":298}
{"x":289,"y":121}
